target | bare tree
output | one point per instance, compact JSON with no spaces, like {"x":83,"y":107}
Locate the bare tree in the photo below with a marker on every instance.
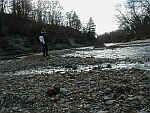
{"x":136,"y":15}
{"x":49,"y":11}
{"x":3,"y":6}
{"x":73,"y":20}
{"x":21,"y":7}
{"x":91,"y":26}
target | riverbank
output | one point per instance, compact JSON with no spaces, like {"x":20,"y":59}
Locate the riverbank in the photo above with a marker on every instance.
{"x":98,"y":90}
{"x":120,"y":45}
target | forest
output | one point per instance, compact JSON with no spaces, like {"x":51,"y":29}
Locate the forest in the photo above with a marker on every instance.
{"x":134,"y":22}
{"x":21,"y":21}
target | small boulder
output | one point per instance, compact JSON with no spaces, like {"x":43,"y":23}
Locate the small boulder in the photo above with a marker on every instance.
{"x":102,"y":112}
{"x":53,"y":90}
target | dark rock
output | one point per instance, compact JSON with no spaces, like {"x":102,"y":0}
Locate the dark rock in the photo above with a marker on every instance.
{"x":131,"y":110}
{"x":108,"y":66}
{"x":53,"y":91}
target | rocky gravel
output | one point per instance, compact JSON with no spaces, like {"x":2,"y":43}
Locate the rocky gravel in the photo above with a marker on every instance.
{"x":95,"y":91}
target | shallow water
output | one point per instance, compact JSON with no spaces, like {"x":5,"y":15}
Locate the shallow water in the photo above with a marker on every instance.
{"x":128,"y":51}
{"x":51,"y":70}
{"x":131,"y":51}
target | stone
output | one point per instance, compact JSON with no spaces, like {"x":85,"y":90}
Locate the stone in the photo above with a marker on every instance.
{"x":75,"y":112}
{"x":109,"y":102}
{"x":108,"y":91}
{"x":30,"y":100}
{"x":107,"y":98}
{"x":102,"y":112}
{"x":131,"y":110}
{"x":63,"y":91}
{"x":108,"y":66}
{"x":143,"y":112}
{"x":139,"y":98}
{"x":53,"y":91}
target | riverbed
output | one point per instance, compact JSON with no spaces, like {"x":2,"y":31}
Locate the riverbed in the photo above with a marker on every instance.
{"x":126,"y":56}
{"x":113,"y":79}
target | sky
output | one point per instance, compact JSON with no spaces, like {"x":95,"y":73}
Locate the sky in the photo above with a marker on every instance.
{"x":102,"y":11}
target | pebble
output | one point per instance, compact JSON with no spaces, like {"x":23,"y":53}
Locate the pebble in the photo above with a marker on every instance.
{"x":95,"y":91}
{"x":102,"y":112}
{"x":109,"y":102}
{"x":108,"y":91}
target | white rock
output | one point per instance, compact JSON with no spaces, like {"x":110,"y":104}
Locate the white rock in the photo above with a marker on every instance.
{"x":109,"y":102}
{"x":102,"y":112}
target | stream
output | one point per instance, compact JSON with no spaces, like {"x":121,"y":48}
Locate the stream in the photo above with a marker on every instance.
{"x":128,"y":56}
{"x":139,"y":53}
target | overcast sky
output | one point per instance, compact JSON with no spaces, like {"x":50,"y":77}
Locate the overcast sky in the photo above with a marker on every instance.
{"x":102,"y":12}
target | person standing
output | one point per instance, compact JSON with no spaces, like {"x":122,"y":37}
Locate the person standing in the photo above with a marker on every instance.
{"x":43,"y":44}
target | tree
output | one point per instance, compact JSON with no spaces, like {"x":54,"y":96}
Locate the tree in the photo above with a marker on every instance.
{"x":76,"y":23}
{"x":21,"y":7}
{"x":39,"y":10}
{"x":55,"y":12}
{"x":48,"y":11}
{"x":91,"y":26}
{"x":73,"y":20}
{"x":14,"y":7}
{"x":69,"y":18}
{"x":3,"y":5}
{"x":91,"y":30}
{"x":135,"y":16}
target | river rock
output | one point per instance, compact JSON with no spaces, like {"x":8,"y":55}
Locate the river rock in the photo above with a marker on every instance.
{"x":102,"y":112}
{"x":53,"y":90}
{"x":89,"y":92}
{"x":75,"y":112}
{"x":147,"y":75}
{"x":138,"y":98}
{"x":109,"y":102}
{"x":63,"y":91}
{"x":108,"y":91}
{"x":108,"y":66}
{"x":30,"y":100}
{"x":107,"y":98}
{"x":143,"y":112}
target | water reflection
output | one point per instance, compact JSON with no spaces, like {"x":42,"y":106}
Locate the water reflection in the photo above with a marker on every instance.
{"x":127,"y":51}
{"x":131,"y":51}
{"x":81,"y":68}
{"x":122,"y":53}
{"x":51,"y":70}
{"x":46,"y":70}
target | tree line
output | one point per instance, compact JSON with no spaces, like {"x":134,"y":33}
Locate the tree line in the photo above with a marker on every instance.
{"x":45,"y":12}
{"x":27,"y":17}
{"x":134,"y":22}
